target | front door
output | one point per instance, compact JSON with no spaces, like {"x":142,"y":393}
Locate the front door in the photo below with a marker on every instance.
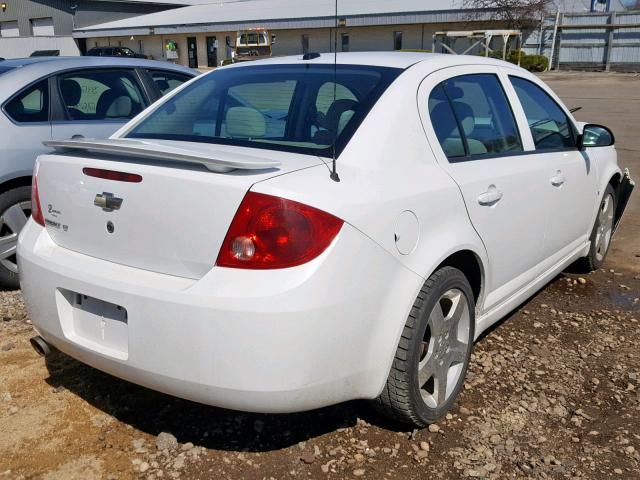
{"x":212,"y":52}
{"x":192,"y":52}
{"x":571,"y":174}
{"x":475,"y":137}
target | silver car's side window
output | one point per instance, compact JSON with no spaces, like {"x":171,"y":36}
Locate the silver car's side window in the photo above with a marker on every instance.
{"x":166,"y":80}
{"x":32,"y":105}
{"x":101,"y":95}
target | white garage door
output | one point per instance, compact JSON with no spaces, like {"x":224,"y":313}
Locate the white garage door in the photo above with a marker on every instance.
{"x":9,"y":29}
{"x":42,"y":27}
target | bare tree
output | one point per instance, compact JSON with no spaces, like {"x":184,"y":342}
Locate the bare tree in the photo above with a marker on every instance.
{"x":516,"y":14}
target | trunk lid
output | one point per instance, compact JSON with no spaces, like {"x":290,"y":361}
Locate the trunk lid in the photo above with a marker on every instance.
{"x":173,"y":221}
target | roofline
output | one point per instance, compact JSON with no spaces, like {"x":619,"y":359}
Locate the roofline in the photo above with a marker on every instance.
{"x":363,"y":20}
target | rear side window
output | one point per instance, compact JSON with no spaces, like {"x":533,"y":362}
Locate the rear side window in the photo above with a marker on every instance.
{"x":550,"y":126}
{"x":484,"y":122}
{"x":445,"y":123}
{"x":167,"y":81}
{"x":32,"y":105}
{"x":279,"y":107}
{"x":101,"y":95}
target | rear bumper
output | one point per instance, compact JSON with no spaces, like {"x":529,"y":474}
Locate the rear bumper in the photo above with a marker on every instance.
{"x":270,"y":341}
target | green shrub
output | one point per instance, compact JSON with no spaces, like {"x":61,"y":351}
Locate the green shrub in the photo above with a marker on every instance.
{"x":535,"y":63}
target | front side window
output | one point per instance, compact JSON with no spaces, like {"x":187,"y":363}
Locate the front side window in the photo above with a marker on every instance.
{"x":101,"y":95}
{"x":167,"y":81}
{"x":280,"y":107}
{"x":32,"y":105}
{"x":550,"y":126}
{"x":483,"y":116}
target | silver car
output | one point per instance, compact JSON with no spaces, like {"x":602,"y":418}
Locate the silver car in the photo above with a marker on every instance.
{"x":50,"y":98}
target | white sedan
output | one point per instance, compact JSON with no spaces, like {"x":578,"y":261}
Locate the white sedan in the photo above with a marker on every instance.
{"x":288,"y":234}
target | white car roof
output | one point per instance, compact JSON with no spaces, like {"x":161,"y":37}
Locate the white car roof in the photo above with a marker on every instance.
{"x":397,"y":59}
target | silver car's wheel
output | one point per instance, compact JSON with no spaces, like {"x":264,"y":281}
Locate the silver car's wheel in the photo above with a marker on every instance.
{"x":604,"y":228}
{"x":444,"y":348}
{"x":433,"y":353}
{"x":15,"y":208}
{"x":12,"y":221}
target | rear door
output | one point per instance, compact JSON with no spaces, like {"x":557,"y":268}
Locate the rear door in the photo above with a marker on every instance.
{"x":94,"y":103}
{"x":571,"y":174}
{"x":476,"y":138}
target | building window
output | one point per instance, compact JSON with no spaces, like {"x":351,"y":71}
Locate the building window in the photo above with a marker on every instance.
{"x":345,"y":42}
{"x":305,"y":44}
{"x":42,"y":27}
{"x":397,"y":40}
{"x":9,"y":29}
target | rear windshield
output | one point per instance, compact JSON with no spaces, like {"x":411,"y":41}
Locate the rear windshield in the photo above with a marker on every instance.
{"x":296,"y":108}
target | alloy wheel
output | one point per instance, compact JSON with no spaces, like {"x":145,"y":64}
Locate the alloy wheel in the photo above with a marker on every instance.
{"x":444,"y":348}
{"x":605,"y":227}
{"x":12,"y":220}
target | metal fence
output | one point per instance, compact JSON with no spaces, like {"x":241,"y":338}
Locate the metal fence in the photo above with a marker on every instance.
{"x":602,"y":41}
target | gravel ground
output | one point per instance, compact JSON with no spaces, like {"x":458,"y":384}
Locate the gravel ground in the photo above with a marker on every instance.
{"x":553,"y":391}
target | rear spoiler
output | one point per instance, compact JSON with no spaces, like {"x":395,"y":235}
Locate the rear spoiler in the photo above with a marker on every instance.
{"x":216,"y":160}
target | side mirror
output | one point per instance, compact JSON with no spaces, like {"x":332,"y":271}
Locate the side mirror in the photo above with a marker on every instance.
{"x":595,"y":136}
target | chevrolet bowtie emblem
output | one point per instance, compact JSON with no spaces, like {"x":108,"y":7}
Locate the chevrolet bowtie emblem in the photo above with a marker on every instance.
{"x":107,"y":202}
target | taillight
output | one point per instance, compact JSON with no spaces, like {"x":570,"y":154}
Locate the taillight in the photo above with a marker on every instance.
{"x":36,"y":209}
{"x":270,"y":232}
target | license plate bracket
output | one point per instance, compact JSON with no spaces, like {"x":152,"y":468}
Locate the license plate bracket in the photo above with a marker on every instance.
{"x":94,"y":323}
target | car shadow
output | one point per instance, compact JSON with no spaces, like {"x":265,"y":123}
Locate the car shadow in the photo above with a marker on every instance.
{"x":215,"y":428}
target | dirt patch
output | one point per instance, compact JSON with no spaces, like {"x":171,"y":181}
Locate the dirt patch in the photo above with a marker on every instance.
{"x":552,"y":392}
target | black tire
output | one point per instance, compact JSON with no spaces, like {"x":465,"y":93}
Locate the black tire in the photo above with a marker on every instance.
{"x":596,"y":257}
{"x":20,"y":197}
{"x":402,"y":398}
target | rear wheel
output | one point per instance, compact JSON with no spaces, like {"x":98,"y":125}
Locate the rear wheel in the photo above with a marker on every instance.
{"x":15,"y":209}
{"x":432,"y":357}
{"x":601,"y":234}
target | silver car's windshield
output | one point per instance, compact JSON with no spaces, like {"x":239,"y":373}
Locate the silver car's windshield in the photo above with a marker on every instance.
{"x":301,"y":108}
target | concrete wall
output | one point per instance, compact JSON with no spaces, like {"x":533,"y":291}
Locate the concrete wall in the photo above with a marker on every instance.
{"x":288,"y":42}
{"x":18,"y":47}
{"x":154,"y":45}
{"x":65,"y":18}
{"x":24,"y":10}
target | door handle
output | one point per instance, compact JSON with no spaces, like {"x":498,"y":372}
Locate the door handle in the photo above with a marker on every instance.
{"x":490,"y":197}
{"x":558,"y":179}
